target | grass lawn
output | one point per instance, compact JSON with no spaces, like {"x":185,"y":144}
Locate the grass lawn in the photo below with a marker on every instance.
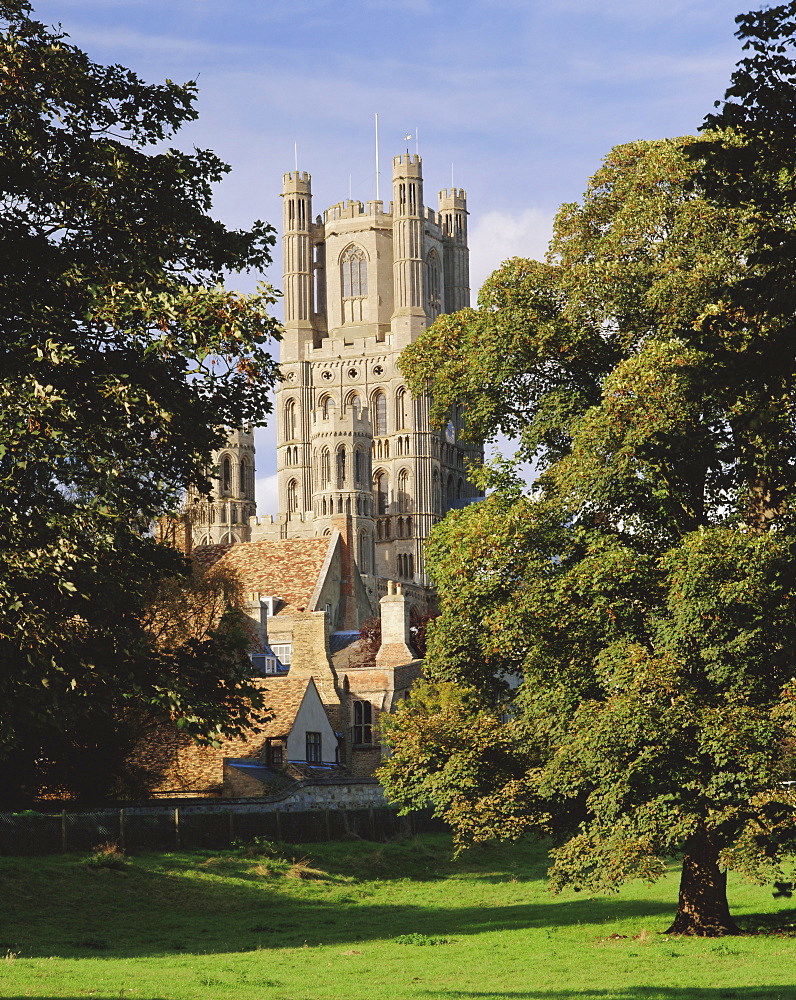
{"x":400,"y":921}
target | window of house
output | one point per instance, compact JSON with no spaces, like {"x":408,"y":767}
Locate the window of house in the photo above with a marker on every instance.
{"x":284,"y":651}
{"x":314,"y":755}
{"x":363,"y":722}
{"x":275,"y":755}
{"x":263,"y":663}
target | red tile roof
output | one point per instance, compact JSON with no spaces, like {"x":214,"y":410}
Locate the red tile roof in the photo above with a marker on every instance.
{"x":287,"y":569}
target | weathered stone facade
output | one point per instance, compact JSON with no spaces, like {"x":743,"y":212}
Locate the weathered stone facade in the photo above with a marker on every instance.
{"x":360,"y":284}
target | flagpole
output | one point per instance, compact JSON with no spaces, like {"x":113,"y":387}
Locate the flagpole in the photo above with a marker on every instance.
{"x":377,"y":156}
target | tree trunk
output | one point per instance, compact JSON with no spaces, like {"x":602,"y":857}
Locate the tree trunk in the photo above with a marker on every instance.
{"x":702,"y":908}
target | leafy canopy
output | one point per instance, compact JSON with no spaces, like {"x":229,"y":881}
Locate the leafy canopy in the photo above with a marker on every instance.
{"x":124,"y":357}
{"x":642,"y":597}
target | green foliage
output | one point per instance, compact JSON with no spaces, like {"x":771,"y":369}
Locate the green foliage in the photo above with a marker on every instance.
{"x":123,"y":358}
{"x":643,"y":595}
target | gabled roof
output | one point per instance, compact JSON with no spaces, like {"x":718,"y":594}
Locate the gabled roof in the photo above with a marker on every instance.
{"x":288,"y":569}
{"x":283,"y":698}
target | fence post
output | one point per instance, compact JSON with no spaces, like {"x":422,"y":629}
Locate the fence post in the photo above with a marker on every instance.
{"x":278,"y":816}
{"x":231,"y":827}
{"x":63,"y":831}
{"x":177,"y":827}
{"x":121,"y":830}
{"x":326,"y":824}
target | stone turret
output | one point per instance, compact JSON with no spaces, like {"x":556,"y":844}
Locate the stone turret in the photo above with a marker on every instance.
{"x":409,"y":316}
{"x":453,"y":220}
{"x":298,"y":262}
{"x":224,"y":517}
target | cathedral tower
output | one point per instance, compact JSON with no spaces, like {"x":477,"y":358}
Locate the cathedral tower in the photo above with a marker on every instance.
{"x":224,"y":516}
{"x":360,"y":284}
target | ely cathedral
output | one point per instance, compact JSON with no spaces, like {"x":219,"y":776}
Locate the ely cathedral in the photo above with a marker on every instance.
{"x":355,"y":451}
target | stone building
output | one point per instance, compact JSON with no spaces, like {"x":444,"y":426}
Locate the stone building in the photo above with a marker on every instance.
{"x":360,"y":283}
{"x":362,"y":476}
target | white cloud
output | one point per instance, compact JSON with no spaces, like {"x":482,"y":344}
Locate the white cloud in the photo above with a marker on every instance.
{"x":496,"y":236}
{"x":267,"y":496}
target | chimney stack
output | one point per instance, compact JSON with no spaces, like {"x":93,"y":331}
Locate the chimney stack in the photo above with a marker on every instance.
{"x":395,"y":637}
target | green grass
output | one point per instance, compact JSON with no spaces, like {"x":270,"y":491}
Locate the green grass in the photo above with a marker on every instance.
{"x":359,"y":921}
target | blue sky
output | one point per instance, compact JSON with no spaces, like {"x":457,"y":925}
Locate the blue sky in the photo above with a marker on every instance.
{"x":521,"y":98}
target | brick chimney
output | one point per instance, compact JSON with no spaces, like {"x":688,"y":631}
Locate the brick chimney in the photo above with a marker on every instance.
{"x":310,"y":656}
{"x":395,"y":637}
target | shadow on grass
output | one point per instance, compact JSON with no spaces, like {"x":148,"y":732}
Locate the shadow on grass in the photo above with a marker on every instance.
{"x":145,"y":912}
{"x":634,"y":993}
{"x":628,"y":993}
{"x":159,"y":905}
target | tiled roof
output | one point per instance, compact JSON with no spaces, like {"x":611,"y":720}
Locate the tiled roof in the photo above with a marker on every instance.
{"x":283,"y":698}
{"x":287,"y":569}
{"x":207,"y":555}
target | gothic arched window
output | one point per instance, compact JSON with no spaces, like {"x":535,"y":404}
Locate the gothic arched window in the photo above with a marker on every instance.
{"x":400,"y":409}
{"x":226,"y":476}
{"x":290,"y":420}
{"x":327,"y":407}
{"x":246,"y":479}
{"x":379,"y":413}
{"x":354,"y":402}
{"x":341,"y":470}
{"x":435,"y":493}
{"x":326,"y":468}
{"x":381,"y":487}
{"x":359,"y":466}
{"x":363,"y":552}
{"x":403,"y":491}
{"x":354,"y":272}
{"x":292,"y":497}
{"x":433,"y":286}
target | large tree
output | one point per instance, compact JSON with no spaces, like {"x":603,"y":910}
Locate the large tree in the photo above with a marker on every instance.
{"x":644,"y":594}
{"x":123,"y":358}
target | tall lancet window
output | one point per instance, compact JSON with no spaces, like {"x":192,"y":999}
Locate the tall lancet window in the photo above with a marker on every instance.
{"x":433,"y":286}
{"x":290,"y":419}
{"x":379,"y":414}
{"x":400,"y":409}
{"x":292,"y":497}
{"x":354,"y":283}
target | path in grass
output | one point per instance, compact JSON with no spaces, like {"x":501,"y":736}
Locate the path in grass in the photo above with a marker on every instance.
{"x":371,"y":922}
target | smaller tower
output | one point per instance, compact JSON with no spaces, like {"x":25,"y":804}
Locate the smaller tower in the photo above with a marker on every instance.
{"x":409,"y":315}
{"x":452,"y":214}
{"x":298,"y":264}
{"x":224,"y":516}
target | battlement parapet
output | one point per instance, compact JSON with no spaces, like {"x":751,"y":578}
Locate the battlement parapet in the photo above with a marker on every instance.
{"x":407,"y":165}
{"x":297,"y":180}
{"x":449,"y":200}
